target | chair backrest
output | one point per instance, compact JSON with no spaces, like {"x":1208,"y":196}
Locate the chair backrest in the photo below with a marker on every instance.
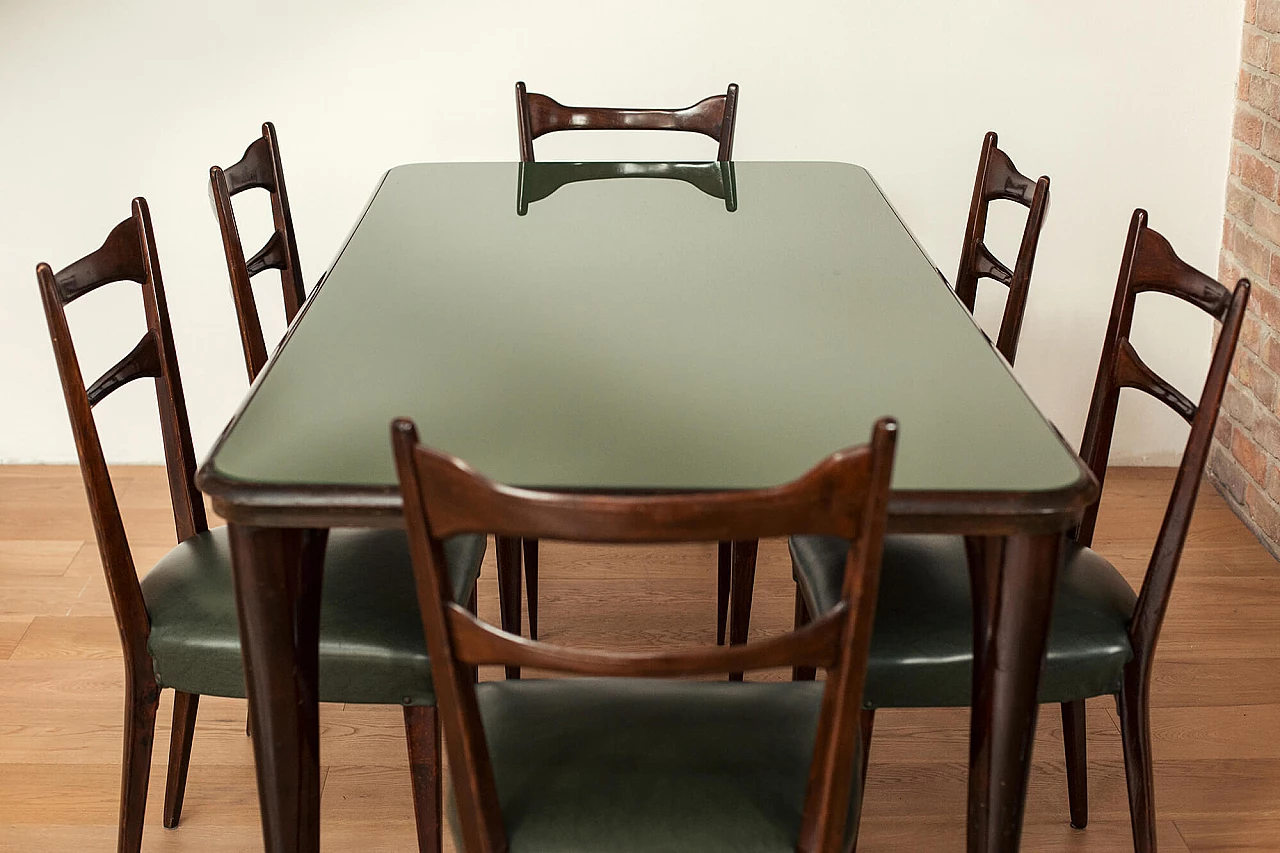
{"x":1150,"y":264}
{"x":259,"y":168}
{"x":129,"y":254}
{"x":539,"y":180}
{"x":538,"y":115}
{"x":998,"y":178}
{"x":845,"y":495}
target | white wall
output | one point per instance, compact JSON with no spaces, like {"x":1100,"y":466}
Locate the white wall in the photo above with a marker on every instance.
{"x":1121,"y":103}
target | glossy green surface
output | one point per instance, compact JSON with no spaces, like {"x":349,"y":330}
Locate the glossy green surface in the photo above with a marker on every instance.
{"x":636,"y":334}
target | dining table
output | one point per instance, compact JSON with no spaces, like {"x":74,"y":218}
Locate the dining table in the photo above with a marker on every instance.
{"x":637,"y":328}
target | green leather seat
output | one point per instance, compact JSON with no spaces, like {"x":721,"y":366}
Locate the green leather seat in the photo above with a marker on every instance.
{"x":628,"y":765}
{"x":371,"y":644}
{"x":922,"y":644}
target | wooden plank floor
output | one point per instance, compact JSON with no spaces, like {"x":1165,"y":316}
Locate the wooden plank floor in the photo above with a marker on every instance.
{"x":1216,"y":716}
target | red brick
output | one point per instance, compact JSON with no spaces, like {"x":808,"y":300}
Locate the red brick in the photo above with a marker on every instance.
{"x":1242,"y":86}
{"x":1263,"y":512}
{"x":1266,"y":437}
{"x":1250,"y":11}
{"x":1262,"y":382}
{"x":1251,"y":333}
{"x":1222,"y":431}
{"x":1273,"y":56}
{"x":1270,"y":350}
{"x":1228,"y":473}
{"x":1250,"y":456}
{"x":1268,"y":16}
{"x":1228,"y":272}
{"x":1251,"y":253}
{"x":1235,"y":161}
{"x":1271,"y":139}
{"x":1238,"y":404}
{"x":1266,"y":221}
{"x":1264,"y":386}
{"x":1258,"y":175}
{"x":1273,"y":482}
{"x":1254,"y":48}
{"x":1262,"y":95}
{"x":1248,"y":128}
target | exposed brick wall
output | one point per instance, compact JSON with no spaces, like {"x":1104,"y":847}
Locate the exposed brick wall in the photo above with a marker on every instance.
{"x":1245,"y":462}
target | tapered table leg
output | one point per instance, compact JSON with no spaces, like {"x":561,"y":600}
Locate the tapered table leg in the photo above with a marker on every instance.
{"x":742,"y":585}
{"x":508,"y":559}
{"x":278,"y":574}
{"x":1013,"y":581}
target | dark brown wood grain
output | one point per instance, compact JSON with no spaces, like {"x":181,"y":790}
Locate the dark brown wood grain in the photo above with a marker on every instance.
{"x":1076,"y":746}
{"x":284,"y":570}
{"x":185,"y":707}
{"x":537,"y":115}
{"x":128,"y":254}
{"x":742,"y":584}
{"x":724,"y":581}
{"x":845,"y":495}
{"x":1149,"y":264}
{"x":1012,"y":579}
{"x":422,"y":736}
{"x":259,"y":168}
{"x":508,"y":560}
{"x":999,"y":179}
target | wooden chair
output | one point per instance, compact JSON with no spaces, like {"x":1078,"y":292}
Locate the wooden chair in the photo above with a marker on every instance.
{"x":538,"y":115}
{"x":997,"y":179}
{"x":1103,"y":635}
{"x":259,"y":168}
{"x":178,"y":624}
{"x":620,"y":761}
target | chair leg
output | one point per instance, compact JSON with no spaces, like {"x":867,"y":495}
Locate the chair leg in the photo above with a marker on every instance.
{"x":422,"y":734}
{"x":508,"y":549}
{"x":724,"y":564}
{"x":473,"y":604}
{"x":1135,"y":734}
{"x":139,"y":735}
{"x":1073,"y":740}
{"x":531,"y":584}
{"x":866,"y":722}
{"x":185,"y":706}
{"x":802,"y":673}
{"x":741,"y":586}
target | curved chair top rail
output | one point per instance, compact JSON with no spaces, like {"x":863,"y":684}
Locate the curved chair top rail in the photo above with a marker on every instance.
{"x":259,"y":168}
{"x":846,"y":495}
{"x":128,"y":254}
{"x":1150,"y":264}
{"x":999,"y":179}
{"x":540,"y":180}
{"x":539,"y":115}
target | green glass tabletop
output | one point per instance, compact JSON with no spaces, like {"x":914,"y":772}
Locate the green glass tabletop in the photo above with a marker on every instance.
{"x":692,"y":326}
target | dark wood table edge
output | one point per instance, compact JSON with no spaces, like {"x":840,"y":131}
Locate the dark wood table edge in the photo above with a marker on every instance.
{"x":948,"y":512}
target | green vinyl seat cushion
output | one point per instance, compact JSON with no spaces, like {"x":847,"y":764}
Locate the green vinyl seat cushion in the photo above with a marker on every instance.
{"x":371,"y":643}
{"x":626,"y":765}
{"x":922,"y":643}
